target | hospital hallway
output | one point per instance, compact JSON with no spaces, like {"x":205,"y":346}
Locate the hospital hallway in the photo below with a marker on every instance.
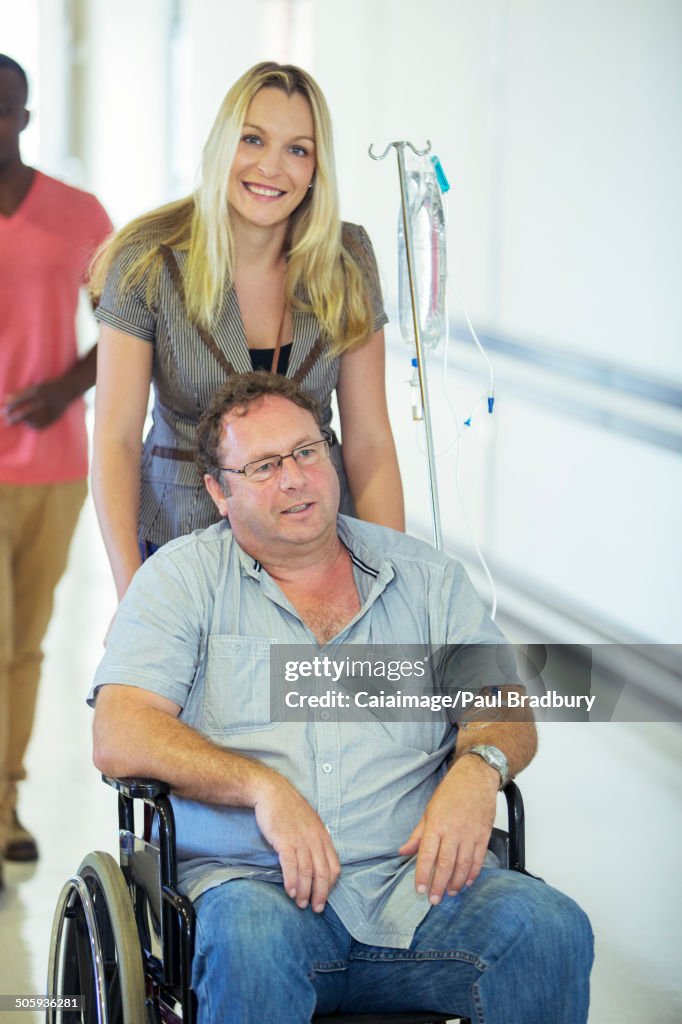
{"x":602,"y":802}
{"x":532,"y":152}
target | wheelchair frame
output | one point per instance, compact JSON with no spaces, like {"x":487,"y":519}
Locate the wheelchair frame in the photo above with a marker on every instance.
{"x":123,"y":934}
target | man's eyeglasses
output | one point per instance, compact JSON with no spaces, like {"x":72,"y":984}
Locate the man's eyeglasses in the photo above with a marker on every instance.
{"x":306,"y":456}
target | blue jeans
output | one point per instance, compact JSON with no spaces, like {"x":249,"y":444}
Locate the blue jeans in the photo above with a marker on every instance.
{"x":509,"y":950}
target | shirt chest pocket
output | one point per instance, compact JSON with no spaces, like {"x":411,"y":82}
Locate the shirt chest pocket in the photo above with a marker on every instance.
{"x":237,"y":685}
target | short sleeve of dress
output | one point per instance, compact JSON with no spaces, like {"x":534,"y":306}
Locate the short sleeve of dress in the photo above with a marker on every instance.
{"x":125,"y":307}
{"x":357,"y":243}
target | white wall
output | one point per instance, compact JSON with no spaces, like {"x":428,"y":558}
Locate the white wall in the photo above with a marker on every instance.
{"x":126,"y":102}
{"x":559,"y":128}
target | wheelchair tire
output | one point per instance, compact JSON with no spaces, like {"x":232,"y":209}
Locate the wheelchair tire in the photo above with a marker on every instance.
{"x":95,"y":951}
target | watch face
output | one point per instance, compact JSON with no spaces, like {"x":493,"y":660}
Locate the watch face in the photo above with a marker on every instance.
{"x":495,"y":758}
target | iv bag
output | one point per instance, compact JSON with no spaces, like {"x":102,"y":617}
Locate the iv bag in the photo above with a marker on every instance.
{"x":427,"y":220}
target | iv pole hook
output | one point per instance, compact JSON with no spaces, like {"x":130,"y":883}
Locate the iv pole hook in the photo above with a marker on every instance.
{"x":399,"y":145}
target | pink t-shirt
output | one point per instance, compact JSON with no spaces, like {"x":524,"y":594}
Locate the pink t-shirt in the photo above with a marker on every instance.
{"x":45,"y":249}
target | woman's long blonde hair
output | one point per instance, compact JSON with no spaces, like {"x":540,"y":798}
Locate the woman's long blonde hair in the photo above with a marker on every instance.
{"x":322,"y":275}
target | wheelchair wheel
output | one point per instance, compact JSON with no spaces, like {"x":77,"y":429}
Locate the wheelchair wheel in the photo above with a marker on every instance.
{"x":94,"y":950}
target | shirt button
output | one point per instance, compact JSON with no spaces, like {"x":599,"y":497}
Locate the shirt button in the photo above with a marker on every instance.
{"x":324,"y":715}
{"x":327,"y":768}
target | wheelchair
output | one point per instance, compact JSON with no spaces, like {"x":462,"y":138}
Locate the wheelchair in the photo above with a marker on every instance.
{"x":123,"y":934}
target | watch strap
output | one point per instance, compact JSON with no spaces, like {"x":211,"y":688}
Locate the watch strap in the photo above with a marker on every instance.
{"x":495,"y":758}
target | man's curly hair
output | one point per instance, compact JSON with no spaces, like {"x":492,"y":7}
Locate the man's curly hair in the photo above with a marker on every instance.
{"x":238,"y":393}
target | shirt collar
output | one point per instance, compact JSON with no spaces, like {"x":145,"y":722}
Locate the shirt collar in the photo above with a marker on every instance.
{"x":249,"y":565}
{"x":366,"y":559}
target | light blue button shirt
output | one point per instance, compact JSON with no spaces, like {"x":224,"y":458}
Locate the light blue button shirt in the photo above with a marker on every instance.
{"x":197,"y":627}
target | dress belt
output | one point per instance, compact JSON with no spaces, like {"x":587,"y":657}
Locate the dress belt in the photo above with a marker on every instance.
{"x":179,"y":454}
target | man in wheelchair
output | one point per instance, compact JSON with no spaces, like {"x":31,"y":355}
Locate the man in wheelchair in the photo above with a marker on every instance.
{"x":336,"y":858}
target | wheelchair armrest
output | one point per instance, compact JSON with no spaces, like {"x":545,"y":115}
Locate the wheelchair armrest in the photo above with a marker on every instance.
{"x":516,"y":825}
{"x":138,"y":788}
{"x":155,"y":795}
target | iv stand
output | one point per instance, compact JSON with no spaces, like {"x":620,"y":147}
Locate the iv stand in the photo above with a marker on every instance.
{"x":416,"y":320}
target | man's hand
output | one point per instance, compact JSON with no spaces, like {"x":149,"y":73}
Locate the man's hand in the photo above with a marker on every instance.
{"x":310,"y":865}
{"x":452,"y":836}
{"x":38,"y":406}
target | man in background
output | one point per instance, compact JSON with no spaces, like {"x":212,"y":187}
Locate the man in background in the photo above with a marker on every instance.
{"x":48,"y":234}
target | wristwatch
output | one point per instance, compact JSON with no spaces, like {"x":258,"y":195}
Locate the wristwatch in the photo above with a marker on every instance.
{"x":495,"y":758}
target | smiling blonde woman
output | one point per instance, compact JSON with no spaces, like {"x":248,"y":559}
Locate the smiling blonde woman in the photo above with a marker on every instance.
{"x":254,"y":270}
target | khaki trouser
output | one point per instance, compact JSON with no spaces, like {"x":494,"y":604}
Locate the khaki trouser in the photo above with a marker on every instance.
{"x":36,"y":526}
